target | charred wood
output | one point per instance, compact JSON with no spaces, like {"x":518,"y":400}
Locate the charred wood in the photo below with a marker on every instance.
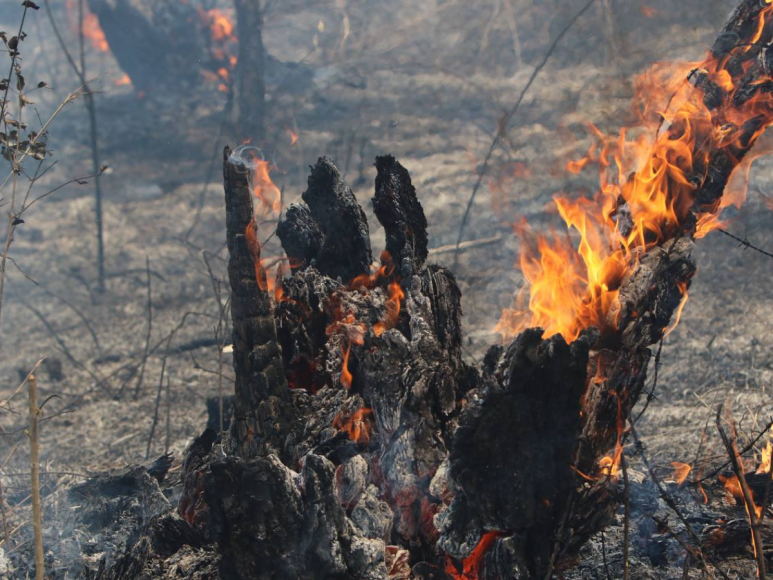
{"x":263,"y":410}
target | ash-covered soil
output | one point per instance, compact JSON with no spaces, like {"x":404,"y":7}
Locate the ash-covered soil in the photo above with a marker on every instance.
{"x":429,"y":88}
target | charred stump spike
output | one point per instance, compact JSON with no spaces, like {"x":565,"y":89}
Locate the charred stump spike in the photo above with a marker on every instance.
{"x":345,"y":251}
{"x":263,"y":409}
{"x":399,"y":211}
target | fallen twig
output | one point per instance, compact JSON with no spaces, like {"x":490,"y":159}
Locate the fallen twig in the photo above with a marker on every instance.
{"x":468,"y":245}
{"x":748,"y":497}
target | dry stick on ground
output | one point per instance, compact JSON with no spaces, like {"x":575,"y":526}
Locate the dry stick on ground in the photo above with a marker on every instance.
{"x":627,"y":520}
{"x":503,"y":124}
{"x":37,"y":518}
{"x":604,"y":555}
{"x":93,"y":133}
{"x":150,"y":329}
{"x":158,"y":398}
{"x":731,"y":445}
{"x":468,"y":245}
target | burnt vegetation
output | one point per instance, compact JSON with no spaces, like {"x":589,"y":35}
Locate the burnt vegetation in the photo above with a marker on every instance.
{"x":351,"y":426}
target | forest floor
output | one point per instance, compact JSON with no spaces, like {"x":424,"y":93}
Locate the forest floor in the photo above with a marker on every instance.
{"x":439,"y":125}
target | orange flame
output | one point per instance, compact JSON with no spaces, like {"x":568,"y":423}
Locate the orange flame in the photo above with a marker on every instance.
{"x":733,"y":487}
{"x":392,"y":315}
{"x":358,"y":425}
{"x":678,"y":314}
{"x":681,"y":471}
{"x":346,"y":376}
{"x":649,"y":176}
{"x":765,"y":459}
{"x":268,"y":194}
{"x":609,"y":466}
{"x":472,"y":564}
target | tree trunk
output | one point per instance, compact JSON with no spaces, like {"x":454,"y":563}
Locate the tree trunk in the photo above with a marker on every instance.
{"x":250,"y":89}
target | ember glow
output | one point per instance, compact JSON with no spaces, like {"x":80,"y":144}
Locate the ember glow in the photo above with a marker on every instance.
{"x":649,"y":175}
{"x":472,"y":564}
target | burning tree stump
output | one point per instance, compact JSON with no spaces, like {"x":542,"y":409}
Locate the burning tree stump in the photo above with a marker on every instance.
{"x":364,"y":446}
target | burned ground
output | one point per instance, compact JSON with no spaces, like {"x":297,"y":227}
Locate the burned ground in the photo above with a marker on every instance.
{"x":436,"y":111}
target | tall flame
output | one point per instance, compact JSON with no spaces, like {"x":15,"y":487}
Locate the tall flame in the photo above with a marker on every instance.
{"x":649,"y":175}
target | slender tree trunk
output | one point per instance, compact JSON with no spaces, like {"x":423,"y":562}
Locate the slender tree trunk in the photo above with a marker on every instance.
{"x":249,"y":103}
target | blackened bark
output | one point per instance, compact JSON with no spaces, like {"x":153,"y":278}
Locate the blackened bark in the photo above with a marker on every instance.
{"x":263,"y":410}
{"x":345,"y":251}
{"x":300,"y":236}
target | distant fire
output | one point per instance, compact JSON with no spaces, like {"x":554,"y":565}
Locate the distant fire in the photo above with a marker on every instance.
{"x":123,"y":81}
{"x":223,"y":43}
{"x":89,"y":27}
{"x":649,"y":174}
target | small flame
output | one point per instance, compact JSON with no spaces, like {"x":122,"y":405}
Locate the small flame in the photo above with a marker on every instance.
{"x":681,"y":471}
{"x":346,"y":376}
{"x":265,"y":190}
{"x":472,"y":564}
{"x":392,"y":315}
{"x":293,"y":137}
{"x":765,"y":459}
{"x":733,"y":487}
{"x":358,"y":425}
{"x":123,"y":81}
{"x":678,"y":314}
{"x":609,"y":466}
